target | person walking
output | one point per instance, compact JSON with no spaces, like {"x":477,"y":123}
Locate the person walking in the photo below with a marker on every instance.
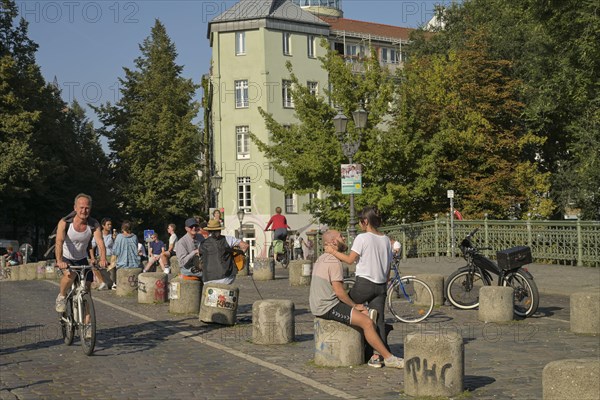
{"x":126,"y":250}
{"x":372,"y":252}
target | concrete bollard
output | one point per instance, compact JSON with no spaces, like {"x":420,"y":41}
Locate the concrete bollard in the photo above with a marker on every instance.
{"x":433,"y":364}
{"x":585,"y":312}
{"x":175,"y":268}
{"x":184,"y":296}
{"x":29,"y":272}
{"x":152,"y":287}
{"x":53,"y":273}
{"x":436,"y":284}
{"x":264,"y":269}
{"x":300,"y":272}
{"x":496,"y":303}
{"x":273,"y":321}
{"x":219,"y":303}
{"x":571,"y":379}
{"x":15,"y":273}
{"x":127,"y":281}
{"x":337,"y":344}
{"x":40,"y":271}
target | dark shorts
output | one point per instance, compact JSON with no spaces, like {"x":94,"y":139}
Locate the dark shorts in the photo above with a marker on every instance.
{"x":341,"y":312}
{"x":89,"y":276}
{"x":172,"y":253}
{"x":280,"y":234}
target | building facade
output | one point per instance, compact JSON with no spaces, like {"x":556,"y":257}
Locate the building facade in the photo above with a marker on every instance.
{"x":251,"y":43}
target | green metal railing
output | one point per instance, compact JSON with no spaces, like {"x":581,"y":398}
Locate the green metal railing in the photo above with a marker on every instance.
{"x":556,"y":242}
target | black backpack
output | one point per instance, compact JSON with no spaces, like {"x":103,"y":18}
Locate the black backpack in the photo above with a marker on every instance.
{"x":50,"y":253}
{"x":217,"y":259}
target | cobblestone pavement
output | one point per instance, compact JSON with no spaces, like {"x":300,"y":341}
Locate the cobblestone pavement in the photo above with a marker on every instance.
{"x":145,"y":352}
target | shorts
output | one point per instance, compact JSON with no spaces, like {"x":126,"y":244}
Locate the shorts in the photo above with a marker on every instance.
{"x":280,"y":234}
{"x":89,"y":276}
{"x":341,"y":312}
{"x":172,"y":253}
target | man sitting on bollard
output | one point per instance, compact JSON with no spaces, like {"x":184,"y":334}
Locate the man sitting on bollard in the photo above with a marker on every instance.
{"x":186,"y":250}
{"x":329,"y":300}
{"x":217,"y":255}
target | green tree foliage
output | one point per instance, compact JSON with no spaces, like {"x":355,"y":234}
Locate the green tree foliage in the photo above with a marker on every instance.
{"x":154,"y":144}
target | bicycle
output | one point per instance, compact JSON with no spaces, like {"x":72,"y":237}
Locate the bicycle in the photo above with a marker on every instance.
{"x":462,"y":287}
{"x":409,"y":299}
{"x":282,"y":252}
{"x":79,"y":306}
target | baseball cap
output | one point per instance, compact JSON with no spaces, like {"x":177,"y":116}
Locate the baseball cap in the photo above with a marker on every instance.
{"x":190,"y":222}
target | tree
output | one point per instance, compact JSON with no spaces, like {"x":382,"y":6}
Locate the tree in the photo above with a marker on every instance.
{"x":154,"y":144}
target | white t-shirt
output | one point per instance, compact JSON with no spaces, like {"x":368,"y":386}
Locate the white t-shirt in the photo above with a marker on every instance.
{"x":375,"y":254}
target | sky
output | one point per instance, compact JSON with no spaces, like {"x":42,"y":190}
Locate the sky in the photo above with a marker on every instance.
{"x":86,"y":44}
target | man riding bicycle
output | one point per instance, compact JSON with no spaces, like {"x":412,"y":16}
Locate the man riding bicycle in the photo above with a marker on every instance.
{"x":279,"y":226}
{"x":73,"y":239}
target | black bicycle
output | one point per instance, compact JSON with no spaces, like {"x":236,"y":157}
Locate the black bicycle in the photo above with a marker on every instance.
{"x":282,"y":249}
{"x":462,"y":286}
{"x":79,"y":315}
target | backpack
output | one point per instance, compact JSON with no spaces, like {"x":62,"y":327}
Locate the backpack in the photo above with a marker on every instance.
{"x":217,"y":259}
{"x":50,"y":253}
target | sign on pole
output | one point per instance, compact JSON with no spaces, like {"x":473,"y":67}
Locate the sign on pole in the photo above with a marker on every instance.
{"x":351,"y":179}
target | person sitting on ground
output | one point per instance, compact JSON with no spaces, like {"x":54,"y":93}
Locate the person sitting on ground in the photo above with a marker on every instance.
{"x":157,"y":247}
{"x":217,"y":255}
{"x":186,"y":250}
{"x":170,"y":252}
{"x":329,"y":300}
{"x":126,"y":250}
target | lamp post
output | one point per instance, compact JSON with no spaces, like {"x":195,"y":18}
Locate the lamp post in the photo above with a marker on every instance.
{"x":215,"y":183}
{"x":240,"y":215}
{"x":349,"y":148}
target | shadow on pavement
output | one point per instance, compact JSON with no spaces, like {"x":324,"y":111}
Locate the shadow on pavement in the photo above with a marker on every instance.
{"x":473,"y":382}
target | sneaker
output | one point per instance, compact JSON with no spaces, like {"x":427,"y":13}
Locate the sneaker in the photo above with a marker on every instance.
{"x":167,"y":270}
{"x":373,"y":314}
{"x":87,"y":331}
{"x":376,"y":361}
{"x":394,"y":362}
{"x":61,"y":304}
{"x":103,"y":286}
{"x":114,"y":286}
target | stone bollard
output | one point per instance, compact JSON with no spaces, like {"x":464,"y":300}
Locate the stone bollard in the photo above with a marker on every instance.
{"x":436,"y":284}
{"x":496,"y":303}
{"x":175,"y":268}
{"x":184,"y":296}
{"x":219,"y":303}
{"x":15,"y":273}
{"x":28,"y":272}
{"x":244,"y":271}
{"x":585,"y":312}
{"x":571,"y":379}
{"x":337,"y":344}
{"x":152,"y":287}
{"x":40,"y":271}
{"x":273,"y":321}
{"x":127,"y":281}
{"x":300,"y":272}
{"x":53,"y":273}
{"x":264,"y":270}
{"x":433,"y":364}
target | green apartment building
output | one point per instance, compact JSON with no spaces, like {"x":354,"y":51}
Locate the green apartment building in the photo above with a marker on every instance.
{"x":251,"y":43}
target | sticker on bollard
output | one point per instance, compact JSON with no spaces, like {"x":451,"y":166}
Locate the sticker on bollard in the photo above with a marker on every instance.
{"x":307,"y":269}
{"x":49,"y":269}
{"x":221,"y":298}
{"x":174,"y":291}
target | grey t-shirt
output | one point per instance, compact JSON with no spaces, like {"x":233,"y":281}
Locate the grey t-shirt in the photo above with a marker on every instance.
{"x":322,"y":298}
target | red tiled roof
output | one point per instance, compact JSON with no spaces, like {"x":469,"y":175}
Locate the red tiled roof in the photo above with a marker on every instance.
{"x":351,"y":25}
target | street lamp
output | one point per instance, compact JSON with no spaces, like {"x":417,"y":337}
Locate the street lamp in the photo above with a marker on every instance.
{"x":240,"y":215}
{"x":349,"y":148}
{"x":215,"y":183}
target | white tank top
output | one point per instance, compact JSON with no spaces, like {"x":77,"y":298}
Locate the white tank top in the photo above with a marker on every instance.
{"x":76,"y":243}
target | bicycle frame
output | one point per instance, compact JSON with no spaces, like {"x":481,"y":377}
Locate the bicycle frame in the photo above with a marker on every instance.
{"x":78,"y":289}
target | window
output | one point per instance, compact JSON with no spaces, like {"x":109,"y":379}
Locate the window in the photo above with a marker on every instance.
{"x":243,"y":142}
{"x":390,"y":56}
{"x":312,"y":197}
{"x":313,"y":88}
{"x":290,"y":204}
{"x":241,"y":94}
{"x":244,"y":194}
{"x":312,"y":44}
{"x":286,"y":94}
{"x":240,"y":43}
{"x":287,"y":43}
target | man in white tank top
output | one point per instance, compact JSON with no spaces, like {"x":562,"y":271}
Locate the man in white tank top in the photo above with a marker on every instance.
{"x":72,"y":242}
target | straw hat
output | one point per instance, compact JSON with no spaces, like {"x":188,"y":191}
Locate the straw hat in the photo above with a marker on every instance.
{"x":213,"y":225}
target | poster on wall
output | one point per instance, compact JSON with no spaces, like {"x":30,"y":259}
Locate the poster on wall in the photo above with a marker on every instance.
{"x":351,"y":179}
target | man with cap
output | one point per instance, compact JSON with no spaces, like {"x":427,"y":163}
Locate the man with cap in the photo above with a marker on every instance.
{"x":186,"y":250}
{"x":217,"y":255}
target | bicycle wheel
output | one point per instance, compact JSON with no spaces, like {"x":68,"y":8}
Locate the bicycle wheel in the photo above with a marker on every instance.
{"x":285,"y":259}
{"x":87,"y":331}
{"x":67,"y":324}
{"x":462,"y":289}
{"x":527,"y":297}
{"x":410,"y":300}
